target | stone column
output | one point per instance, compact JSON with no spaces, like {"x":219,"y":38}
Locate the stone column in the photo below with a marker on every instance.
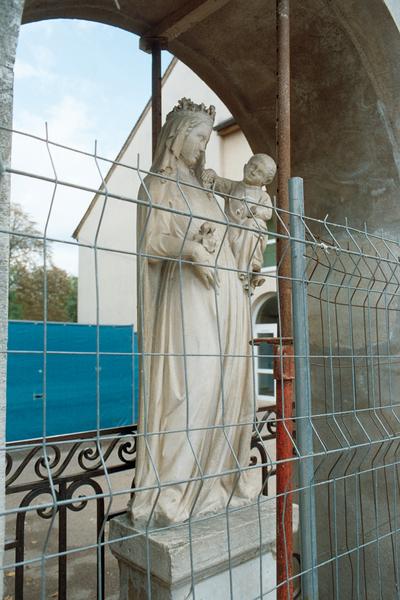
{"x":10,"y":21}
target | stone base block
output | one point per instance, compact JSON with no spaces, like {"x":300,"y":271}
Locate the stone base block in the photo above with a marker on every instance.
{"x":212,"y":561}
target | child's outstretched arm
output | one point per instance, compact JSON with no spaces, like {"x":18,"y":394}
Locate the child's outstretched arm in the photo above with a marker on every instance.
{"x":219,"y":184}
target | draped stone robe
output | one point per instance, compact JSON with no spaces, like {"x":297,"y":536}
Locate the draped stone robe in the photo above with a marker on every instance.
{"x":196,"y":394}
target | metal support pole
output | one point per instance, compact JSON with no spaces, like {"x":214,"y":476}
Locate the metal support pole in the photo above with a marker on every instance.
{"x":284,"y":445}
{"x":284,"y":376}
{"x":155,"y":91}
{"x":284,"y":163}
{"x":304,"y":431}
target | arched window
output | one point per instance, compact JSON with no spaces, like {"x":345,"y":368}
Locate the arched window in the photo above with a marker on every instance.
{"x":266,"y":326}
{"x":268,"y":311}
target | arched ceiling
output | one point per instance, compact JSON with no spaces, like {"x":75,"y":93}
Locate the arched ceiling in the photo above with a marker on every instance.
{"x":345,"y":83}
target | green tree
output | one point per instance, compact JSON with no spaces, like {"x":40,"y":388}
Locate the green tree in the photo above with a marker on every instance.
{"x":30,"y":283}
{"x":26,"y":246}
{"x":72,"y":300}
{"x":31,"y":286}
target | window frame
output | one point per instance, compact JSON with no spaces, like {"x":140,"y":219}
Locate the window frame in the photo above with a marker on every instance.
{"x":263,"y":328}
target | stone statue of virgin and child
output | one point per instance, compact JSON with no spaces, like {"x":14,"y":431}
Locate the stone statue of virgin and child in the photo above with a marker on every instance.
{"x":197,"y":263}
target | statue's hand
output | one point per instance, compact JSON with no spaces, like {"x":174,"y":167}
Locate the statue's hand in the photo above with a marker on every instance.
{"x":206,"y":237}
{"x":207,"y":274}
{"x":208,"y":177}
{"x":258,"y":223}
{"x":263,"y":213}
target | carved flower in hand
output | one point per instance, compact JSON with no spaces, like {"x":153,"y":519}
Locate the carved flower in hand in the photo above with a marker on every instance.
{"x":206,"y":237}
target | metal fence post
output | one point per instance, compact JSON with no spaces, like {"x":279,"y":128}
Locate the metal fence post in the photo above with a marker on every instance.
{"x":304,"y":431}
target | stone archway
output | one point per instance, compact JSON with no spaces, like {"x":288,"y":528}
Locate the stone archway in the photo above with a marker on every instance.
{"x":345,"y":84}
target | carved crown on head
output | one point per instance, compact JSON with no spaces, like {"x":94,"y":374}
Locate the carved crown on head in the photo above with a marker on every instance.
{"x":187,"y":107}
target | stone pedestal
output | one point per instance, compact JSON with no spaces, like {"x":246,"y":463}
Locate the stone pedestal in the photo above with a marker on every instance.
{"x":167,"y":555}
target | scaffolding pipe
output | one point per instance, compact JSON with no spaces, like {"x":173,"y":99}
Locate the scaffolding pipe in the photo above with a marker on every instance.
{"x":304,"y":430}
{"x":284,"y":375}
{"x":155,"y":91}
{"x":284,"y":352}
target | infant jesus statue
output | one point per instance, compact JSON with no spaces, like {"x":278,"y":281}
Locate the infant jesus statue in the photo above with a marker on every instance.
{"x":247,"y":204}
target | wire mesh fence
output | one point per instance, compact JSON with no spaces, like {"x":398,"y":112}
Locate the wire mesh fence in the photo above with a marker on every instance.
{"x":201,"y":463}
{"x":353,"y":312}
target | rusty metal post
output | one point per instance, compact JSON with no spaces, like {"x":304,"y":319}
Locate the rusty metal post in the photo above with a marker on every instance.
{"x":284,"y":376}
{"x":155,"y":91}
{"x":284,"y":351}
{"x":284,"y":164}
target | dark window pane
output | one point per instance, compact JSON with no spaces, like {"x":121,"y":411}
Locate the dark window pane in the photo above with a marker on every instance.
{"x":268,"y":312}
{"x":265,"y":384}
{"x":265,"y":353}
{"x":270,"y":255}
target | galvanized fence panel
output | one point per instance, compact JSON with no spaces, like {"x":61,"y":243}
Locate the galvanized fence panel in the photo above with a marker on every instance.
{"x":344,"y":432}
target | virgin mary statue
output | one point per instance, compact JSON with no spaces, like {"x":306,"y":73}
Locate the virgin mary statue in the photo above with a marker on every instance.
{"x":196,"y":394}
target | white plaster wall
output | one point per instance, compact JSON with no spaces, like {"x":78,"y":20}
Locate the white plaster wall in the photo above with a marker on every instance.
{"x":116,"y":271}
{"x":263,"y":292}
{"x":235,"y":152}
{"x":116,"y":266}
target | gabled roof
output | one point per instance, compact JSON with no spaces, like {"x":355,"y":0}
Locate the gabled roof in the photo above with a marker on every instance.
{"x":126,"y":144}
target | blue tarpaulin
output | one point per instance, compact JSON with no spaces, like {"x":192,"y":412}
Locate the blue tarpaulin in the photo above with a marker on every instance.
{"x":76,"y":400}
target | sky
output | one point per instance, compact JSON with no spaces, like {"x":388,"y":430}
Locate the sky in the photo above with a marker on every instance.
{"x":89,"y":82}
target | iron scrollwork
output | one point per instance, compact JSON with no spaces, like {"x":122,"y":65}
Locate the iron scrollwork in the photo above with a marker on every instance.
{"x":61,"y":467}
{"x":264,"y":430}
{"x":58,"y":470}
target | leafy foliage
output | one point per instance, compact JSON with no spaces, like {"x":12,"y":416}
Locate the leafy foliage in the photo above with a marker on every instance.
{"x":30,"y":283}
{"x":26,"y":248}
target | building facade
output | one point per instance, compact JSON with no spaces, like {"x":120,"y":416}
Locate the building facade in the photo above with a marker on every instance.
{"x":107,"y":275}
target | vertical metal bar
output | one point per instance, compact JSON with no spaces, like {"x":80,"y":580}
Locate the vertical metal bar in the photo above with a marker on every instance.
{"x":155,"y":91}
{"x":100,"y":555}
{"x":20,"y":555}
{"x":62,"y":544}
{"x":304,"y":430}
{"x":284,"y":447}
{"x":284,"y":162}
{"x":284,"y":375}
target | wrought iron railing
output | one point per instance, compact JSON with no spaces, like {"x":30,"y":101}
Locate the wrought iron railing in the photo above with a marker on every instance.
{"x":73,"y":463}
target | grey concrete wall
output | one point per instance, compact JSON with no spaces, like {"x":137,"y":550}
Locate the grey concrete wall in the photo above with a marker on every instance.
{"x":10,"y":20}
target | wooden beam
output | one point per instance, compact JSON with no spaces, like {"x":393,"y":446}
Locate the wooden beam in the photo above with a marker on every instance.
{"x":180,"y":21}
